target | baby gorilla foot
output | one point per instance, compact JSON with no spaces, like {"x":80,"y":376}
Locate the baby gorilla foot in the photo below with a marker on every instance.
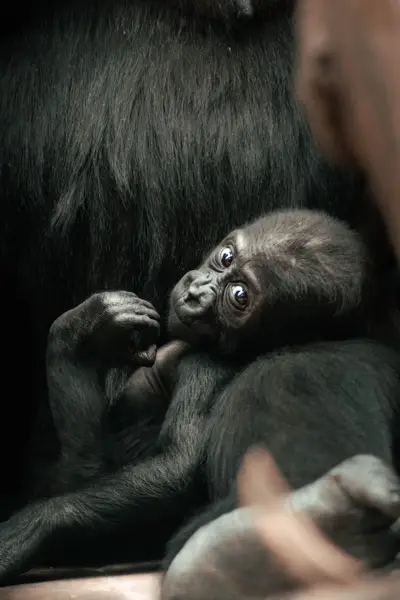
{"x":114,"y":328}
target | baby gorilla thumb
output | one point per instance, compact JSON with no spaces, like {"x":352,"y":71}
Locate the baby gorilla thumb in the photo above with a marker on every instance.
{"x":146,"y":358}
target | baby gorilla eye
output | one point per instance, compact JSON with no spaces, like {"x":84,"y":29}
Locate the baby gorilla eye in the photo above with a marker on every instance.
{"x":226,"y":257}
{"x":239,"y":296}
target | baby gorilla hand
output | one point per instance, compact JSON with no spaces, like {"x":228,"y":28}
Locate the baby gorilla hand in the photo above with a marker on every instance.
{"x":116,"y":328}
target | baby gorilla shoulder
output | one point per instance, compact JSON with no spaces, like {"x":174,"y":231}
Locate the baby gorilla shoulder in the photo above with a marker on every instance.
{"x":299,"y":275}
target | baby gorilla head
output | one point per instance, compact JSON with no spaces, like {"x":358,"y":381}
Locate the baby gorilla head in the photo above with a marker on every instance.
{"x":290,"y":277}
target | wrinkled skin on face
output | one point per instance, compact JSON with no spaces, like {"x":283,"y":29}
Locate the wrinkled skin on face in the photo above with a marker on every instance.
{"x":289,"y":274}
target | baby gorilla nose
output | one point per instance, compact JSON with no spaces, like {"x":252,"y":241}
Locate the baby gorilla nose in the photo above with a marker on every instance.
{"x":201,"y":292}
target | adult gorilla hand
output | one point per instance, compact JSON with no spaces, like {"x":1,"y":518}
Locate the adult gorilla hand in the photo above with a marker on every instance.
{"x":348,"y":81}
{"x":272,"y":544}
{"x":355,"y":504}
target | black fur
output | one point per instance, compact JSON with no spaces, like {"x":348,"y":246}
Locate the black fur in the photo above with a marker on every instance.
{"x":313,"y":407}
{"x":139,"y":466}
{"x":133,"y":136}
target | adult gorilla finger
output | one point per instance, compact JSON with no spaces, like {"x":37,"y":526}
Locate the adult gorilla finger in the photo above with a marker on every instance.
{"x":371,"y":482}
{"x":303,"y":550}
{"x":298,"y":545}
{"x":259,"y":480}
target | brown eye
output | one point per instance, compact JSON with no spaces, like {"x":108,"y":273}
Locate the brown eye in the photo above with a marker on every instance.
{"x":239,"y":296}
{"x":226,"y":257}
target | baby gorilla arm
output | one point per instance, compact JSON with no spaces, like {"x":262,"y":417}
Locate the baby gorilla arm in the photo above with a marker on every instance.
{"x":107,"y":330}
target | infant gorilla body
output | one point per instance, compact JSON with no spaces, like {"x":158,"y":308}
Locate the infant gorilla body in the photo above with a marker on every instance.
{"x":273,"y":349}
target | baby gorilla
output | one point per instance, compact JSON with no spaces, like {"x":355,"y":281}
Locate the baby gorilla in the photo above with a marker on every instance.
{"x":270,"y":348}
{"x":297,"y":275}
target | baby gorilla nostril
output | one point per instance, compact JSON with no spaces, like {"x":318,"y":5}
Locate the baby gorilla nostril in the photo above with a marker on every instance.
{"x":201,"y":294}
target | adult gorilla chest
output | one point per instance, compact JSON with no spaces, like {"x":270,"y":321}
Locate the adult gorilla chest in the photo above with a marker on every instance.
{"x":142,"y":138}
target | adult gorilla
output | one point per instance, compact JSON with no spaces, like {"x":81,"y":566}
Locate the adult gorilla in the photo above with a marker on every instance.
{"x":135,"y":134}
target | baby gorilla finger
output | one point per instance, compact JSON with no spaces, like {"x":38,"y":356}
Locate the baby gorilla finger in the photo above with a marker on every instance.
{"x":142,"y":345}
{"x":146,"y":358}
{"x":148,"y":304}
{"x":134,"y":319}
{"x":147,"y":312}
{"x":121,"y":296}
{"x":138,"y":307}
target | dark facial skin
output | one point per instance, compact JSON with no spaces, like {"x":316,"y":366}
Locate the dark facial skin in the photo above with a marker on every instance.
{"x":274,"y":275}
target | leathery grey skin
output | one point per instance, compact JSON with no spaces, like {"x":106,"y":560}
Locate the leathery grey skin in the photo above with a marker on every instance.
{"x":228,"y":559}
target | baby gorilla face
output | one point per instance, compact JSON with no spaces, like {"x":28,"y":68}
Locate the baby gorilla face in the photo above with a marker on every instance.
{"x":270,"y":282}
{"x":218,"y":298}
